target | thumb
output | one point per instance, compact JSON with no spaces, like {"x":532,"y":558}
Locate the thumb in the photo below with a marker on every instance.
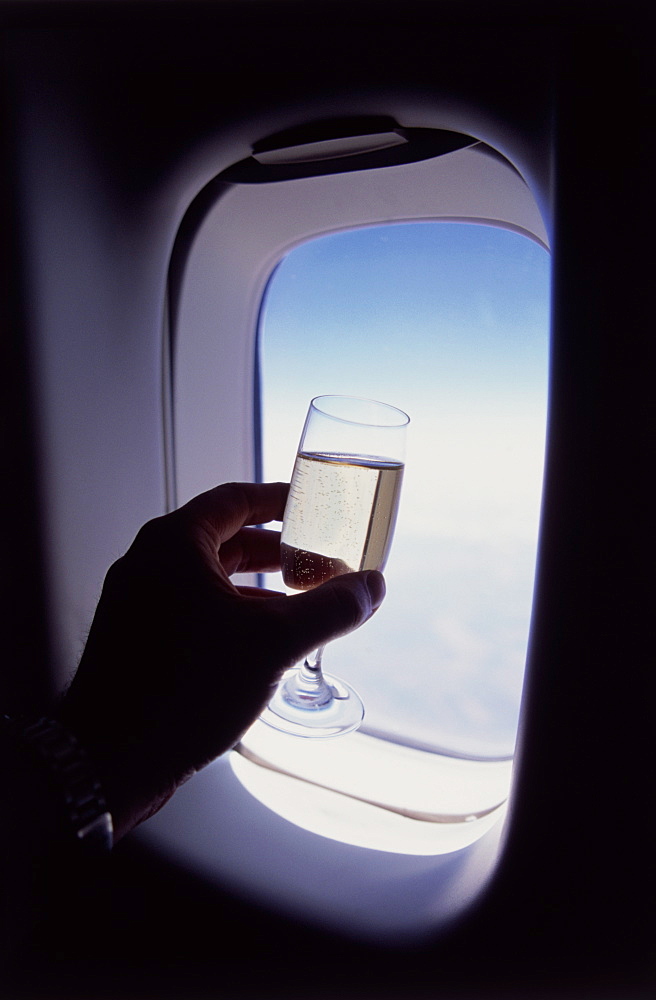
{"x":331,"y":610}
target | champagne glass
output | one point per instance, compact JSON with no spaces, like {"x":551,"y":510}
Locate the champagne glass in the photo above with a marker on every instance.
{"x":339,"y":518}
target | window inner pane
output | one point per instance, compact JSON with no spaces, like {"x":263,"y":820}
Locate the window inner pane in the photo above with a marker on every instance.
{"x":449,"y":322}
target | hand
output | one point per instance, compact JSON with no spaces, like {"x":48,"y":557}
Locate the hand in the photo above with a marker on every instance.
{"x":179,"y":661}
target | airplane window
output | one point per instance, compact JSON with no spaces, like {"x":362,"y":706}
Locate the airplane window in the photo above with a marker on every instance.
{"x":449,"y":322}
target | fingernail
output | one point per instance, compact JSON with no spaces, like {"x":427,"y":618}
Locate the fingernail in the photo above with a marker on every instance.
{"x":376,"y":588}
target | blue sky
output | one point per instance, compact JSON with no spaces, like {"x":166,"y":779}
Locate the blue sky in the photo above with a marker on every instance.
{"x":449,"y":322}
{"x":405,"y":289}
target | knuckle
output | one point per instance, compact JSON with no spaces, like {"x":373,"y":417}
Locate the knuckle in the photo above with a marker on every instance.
{"x":153,"y":532}
{"x":159,"y":550}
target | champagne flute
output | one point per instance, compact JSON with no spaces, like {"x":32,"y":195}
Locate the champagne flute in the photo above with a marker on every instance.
{"x":339,"y":518}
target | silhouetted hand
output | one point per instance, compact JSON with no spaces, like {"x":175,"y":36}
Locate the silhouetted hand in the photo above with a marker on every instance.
{"x":179,"y":661}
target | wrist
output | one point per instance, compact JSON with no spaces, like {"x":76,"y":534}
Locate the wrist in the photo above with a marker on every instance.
{"x":72,"y":778}
{"x":129,"y":769}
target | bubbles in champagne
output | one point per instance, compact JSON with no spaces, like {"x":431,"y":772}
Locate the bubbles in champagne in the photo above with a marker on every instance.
{"x":303,"y":570}
{"x":339,"y":518}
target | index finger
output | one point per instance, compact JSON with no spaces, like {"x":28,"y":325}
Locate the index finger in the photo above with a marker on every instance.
{"x":227,"y":508}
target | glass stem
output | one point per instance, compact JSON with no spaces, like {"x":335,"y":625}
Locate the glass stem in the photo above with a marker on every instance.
{"x":311,"y":668}
{"x":310,"y":682}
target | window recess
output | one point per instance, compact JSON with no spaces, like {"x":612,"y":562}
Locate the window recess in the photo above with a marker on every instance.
{"x":252,"y":818}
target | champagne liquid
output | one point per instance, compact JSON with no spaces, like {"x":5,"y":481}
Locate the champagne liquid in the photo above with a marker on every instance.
{"x":339,"y":518}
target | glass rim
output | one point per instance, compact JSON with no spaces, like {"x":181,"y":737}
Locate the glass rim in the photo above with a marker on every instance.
{"x":403,"y":422}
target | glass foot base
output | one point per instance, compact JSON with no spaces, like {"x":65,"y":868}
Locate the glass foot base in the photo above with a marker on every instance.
{"x":341,"y":714}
